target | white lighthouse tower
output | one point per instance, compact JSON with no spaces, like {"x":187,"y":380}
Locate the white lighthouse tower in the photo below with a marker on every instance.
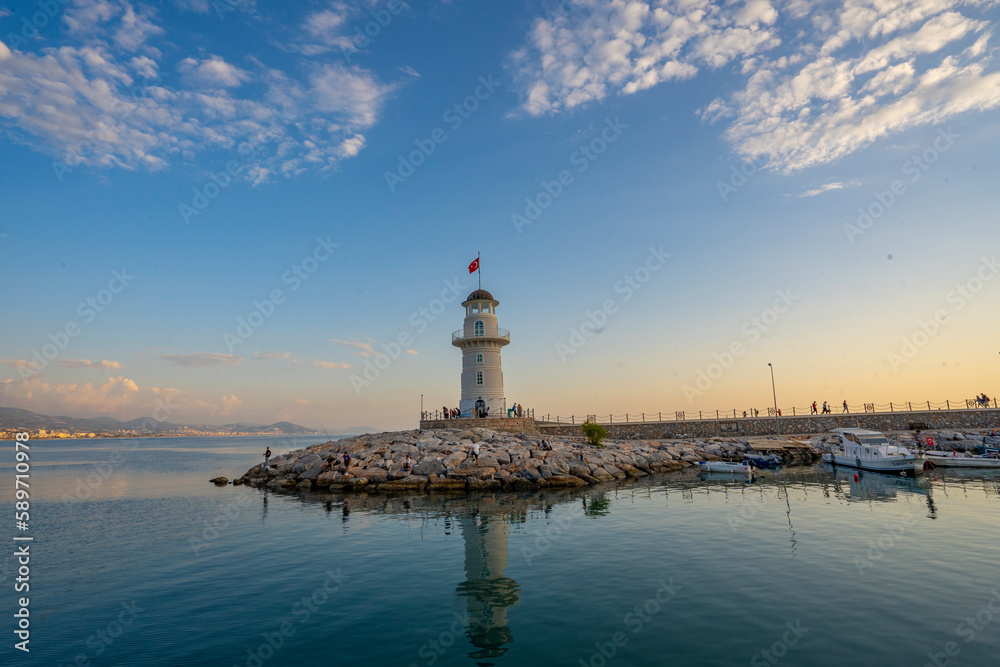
{"x":480,"y":341}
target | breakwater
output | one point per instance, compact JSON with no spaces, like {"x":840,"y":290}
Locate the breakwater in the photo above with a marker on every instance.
{"x":445,"y":460}
{"x":986,"y":418}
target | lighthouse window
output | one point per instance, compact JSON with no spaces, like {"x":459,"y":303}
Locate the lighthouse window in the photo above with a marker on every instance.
{"x":479,"y":377}
{"x":479,"y":327}
{"x":479,"y":358}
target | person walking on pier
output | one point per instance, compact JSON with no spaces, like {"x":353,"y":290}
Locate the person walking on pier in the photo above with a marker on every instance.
{"x":845,"y":406}
{"x":814,"y":411}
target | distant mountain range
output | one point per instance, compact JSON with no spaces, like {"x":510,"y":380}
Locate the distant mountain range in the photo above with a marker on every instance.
{"x":16,"y":418}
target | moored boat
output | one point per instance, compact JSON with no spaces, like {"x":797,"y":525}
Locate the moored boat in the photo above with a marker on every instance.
{"x":870,"y":450}
{"x":960,"y":460}
{"x":726,"y":466}
{"x":764,"y":461}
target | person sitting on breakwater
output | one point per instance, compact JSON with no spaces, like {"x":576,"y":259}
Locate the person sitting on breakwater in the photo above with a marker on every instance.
{"x":407,"y":462}
{"x":267,"y":457}
{"x":329,"y":463}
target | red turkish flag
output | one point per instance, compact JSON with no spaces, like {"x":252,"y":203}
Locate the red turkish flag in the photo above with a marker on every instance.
{"x":474,"y":266}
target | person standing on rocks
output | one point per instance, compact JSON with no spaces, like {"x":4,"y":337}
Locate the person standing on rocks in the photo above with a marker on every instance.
{"x":475,"y":452}
{"x":267,"y":457}
{"x":347,"y":462}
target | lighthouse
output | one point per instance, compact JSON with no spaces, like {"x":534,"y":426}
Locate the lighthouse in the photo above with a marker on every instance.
{"x":481,"y":340}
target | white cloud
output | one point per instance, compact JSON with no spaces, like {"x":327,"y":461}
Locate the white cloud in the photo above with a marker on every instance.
{"x":213,"y":72}
{"x":202,"y":359}
{"x":330,"y":364}
{"x":271,"y":355}
{"x":820,"y":80}
{"x":624,"y":46}
{"x":58,"y":362}
{"x":98,"y":100}
{"x":826,"y":187}
{"x":117,"y":396}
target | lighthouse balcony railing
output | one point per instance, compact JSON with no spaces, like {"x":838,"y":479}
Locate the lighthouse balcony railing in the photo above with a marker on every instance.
{"x":460,"y":335}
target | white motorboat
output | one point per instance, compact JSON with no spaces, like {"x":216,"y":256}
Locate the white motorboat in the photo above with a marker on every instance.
{"x":726,"y":466}
{"x":870,"y":450}
{"x":960,"y":460}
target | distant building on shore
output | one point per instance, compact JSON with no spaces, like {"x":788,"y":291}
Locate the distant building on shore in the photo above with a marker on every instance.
{"x":481,"y":340}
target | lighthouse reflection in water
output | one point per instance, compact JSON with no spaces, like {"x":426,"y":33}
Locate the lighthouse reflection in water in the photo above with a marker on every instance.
{"x":486,"y":593}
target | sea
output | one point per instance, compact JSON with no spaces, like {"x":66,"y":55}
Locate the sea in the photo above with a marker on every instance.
{"x":137,"y":559}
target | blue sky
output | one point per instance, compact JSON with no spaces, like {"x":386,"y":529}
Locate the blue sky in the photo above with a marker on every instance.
{"x":823,"y":178}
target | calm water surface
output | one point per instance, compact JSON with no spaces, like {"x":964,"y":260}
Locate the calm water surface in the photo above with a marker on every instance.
{"x":138,"y":560}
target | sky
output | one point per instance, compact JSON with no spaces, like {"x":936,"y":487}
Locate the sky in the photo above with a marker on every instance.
{"x":246,"y":211}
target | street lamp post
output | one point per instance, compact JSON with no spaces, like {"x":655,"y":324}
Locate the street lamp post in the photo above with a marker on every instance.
{"x":774,"y":394}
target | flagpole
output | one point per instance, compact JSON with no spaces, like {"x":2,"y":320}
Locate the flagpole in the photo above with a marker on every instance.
{"x":479,"y":270}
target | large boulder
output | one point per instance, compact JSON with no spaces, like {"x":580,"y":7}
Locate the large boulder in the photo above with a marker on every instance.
{"x":430,"y":466}
{"x":564,"y":480}
{"x":446,"y":484}
{"x":410,"y":483}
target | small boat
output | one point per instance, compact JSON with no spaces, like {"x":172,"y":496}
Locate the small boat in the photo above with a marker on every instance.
{"x":960,"y":460}
{"x":764,"y":462}
{"x":726,"y":466}
{"x":870,"y":450}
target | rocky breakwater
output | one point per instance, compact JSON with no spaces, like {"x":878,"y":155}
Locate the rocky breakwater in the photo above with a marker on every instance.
{"x":443,"y":460}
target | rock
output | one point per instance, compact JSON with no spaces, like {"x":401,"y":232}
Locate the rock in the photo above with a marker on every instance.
{"x":304,"y":485}
{"x":484,"y":484}
{"x":487,"y":461}
{"x":564,"y":480}
{"x":304,"y":463}
{"x":238,"y":482}
{"x":602,"y":475}
{"x":446,"y":484}
{"x":219,"y":481}
{"x":454,"y":459}
{"x":404,"y":448}
{"x":430,"y":466}
{"x":312,"y":472}
{"x":409,"y":483}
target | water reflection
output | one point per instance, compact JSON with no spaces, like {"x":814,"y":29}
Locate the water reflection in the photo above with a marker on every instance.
{"x":486,"y":593}
{"x":486,"y":597}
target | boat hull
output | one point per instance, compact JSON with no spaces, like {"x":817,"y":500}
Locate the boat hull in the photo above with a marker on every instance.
{"x":963,"y":462}
{"x":908,"y":464}
{"x":721,"y":466}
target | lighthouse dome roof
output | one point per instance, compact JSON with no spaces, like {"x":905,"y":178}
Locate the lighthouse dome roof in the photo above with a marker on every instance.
{"x":480,"y":294}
